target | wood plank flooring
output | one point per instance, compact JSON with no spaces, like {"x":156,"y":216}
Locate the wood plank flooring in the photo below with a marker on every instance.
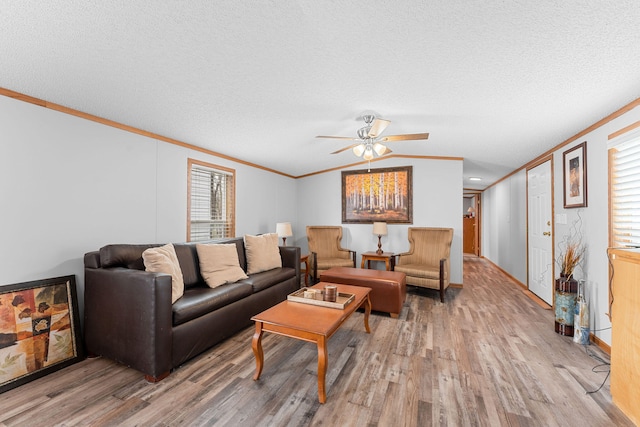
{"x":488,"y":356}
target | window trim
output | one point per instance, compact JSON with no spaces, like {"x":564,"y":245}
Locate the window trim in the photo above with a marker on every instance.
{"x":617,"y":139}
{"x":231,"y":196}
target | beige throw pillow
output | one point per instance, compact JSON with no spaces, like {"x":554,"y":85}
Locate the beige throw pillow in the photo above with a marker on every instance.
{"x":219,"y":264}
{"x":262,"y":252}
{"x":163,"y":259}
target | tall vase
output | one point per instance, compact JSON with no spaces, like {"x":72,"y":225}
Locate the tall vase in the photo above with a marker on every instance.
{"x":565,"y":304}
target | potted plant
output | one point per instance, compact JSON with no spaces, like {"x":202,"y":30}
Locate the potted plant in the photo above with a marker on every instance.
{"x":567,"y":287}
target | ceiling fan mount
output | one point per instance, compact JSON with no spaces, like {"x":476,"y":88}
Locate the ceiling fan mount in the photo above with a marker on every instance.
{"x":369,"y":140}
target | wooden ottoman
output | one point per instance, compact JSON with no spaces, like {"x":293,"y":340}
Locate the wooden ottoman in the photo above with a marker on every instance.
{"x":388,"y":288}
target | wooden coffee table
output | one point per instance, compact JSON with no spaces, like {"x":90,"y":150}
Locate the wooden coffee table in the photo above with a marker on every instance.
{"x":308,"y":323}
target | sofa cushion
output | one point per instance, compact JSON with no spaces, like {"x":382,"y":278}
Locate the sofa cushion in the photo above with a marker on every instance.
{"x":266,"y":279}
{"x":421,"y":270}
{"x":189,"y":264}
{"x":123,"y":255}
{"x":219,"y":264}
{"x":200,"y":300}
{"x":163,"y":259}
{"x":262,"y":252}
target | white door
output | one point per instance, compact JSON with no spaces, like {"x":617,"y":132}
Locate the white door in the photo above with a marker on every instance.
{"x":539,"y":194}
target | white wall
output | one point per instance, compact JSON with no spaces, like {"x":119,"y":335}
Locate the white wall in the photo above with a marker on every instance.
{"x":591,"y":222}
{"x":437,"y":202}
{"x":504,"y":227}
{"x":69,"y":186}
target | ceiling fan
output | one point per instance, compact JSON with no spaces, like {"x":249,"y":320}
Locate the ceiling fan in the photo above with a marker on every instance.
{"x":369,"y":142}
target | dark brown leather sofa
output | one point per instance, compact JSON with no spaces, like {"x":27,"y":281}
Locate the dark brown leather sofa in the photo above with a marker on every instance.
{"x":129,"y":316}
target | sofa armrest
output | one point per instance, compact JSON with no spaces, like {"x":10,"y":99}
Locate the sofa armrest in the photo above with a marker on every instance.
{"x":128,"y":318}
{"x":291,"y":258}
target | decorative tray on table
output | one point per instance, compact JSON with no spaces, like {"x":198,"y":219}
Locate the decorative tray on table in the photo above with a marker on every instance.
{"x":316,"y":298}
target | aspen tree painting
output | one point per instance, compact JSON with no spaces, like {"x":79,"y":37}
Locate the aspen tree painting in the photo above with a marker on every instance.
{"x":383,"y":195}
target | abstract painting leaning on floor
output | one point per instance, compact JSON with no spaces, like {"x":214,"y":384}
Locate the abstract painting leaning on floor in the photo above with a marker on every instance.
{"x":39,"y":329}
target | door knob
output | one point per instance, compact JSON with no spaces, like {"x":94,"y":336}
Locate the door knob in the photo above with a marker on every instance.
{"x":546,"y":233}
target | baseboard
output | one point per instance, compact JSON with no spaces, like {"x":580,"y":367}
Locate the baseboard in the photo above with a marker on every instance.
{"x":601,"y":344}
{"x":594,"y":339}
{"x":524,"y":287}
{"x":542,"y":303}
{"x":506,"y":273}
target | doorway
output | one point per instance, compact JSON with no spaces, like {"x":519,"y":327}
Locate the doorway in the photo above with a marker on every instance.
{"x":540,"y":230}
{"x":471,"y":224}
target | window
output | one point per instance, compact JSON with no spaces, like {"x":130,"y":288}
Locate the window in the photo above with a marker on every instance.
{"x":211,"y":202}
{"x":624,"y":193}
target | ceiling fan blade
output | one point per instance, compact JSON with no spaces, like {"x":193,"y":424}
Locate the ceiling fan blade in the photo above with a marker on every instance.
{"x":348,"y":147}
{"x":378,"y":126}
{"x":406,"y":137}
{"x":348,"y":138}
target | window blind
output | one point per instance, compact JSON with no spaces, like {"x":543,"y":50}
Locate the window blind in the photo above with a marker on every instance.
{"x":625,"y":194}
{"x":211,"y":203}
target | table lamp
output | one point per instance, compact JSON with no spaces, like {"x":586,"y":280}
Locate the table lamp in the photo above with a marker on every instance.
{"x":380,"y":228}
{"x":283,"y":229}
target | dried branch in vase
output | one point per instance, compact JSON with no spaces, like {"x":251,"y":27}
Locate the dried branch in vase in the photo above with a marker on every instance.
{"x":571,"y":258}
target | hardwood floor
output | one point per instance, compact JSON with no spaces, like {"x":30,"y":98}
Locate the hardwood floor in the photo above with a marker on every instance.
{"x":488,"y":356}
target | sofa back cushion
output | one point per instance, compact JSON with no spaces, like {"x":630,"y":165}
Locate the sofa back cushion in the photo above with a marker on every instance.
{"x":188,"y":258}
{"x":130,"y":256}
{"x":123,"y":255}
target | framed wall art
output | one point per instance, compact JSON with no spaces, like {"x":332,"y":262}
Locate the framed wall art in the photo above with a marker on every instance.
{"x":378,"y":195}
{"x":39,"y":329}
{"x":575,"y":176}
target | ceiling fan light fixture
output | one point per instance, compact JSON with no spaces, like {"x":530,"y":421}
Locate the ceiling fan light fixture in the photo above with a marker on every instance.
{"x":358,"y":150}
{"x":379,"y":149}
{"x":368,"y":153}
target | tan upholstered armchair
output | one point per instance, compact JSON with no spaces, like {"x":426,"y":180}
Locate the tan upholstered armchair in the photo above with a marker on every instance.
{"x":426,"y":264}
{"x":326,"y":252}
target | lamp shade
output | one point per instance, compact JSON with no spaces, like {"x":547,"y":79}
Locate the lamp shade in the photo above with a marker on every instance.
{"x":283,"y":229}
{"x":358,"y":150}
{"x":380,"y":228}
{"x":379,"y":149}
{"x":368,"y":153}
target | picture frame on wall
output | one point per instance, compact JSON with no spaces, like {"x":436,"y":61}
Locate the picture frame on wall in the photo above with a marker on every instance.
{"x":39,"y":329}
{"x":575,"y":176}
{"x":378,"y":195}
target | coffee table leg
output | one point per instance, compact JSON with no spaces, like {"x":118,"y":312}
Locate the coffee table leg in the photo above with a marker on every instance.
{"x":367,"y":312}
{"x":322,"y":368}
{"x":256,"y":345}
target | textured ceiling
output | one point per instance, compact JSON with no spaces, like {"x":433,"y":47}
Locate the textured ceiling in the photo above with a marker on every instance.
{"x":495,"y":82}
